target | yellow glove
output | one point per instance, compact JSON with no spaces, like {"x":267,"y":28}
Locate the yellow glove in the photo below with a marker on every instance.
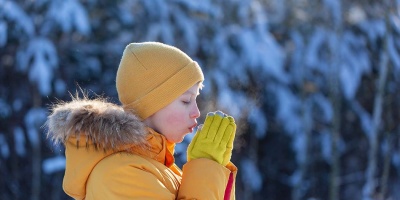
{"x":214,"y":140}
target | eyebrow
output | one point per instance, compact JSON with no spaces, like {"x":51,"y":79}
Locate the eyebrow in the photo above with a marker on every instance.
{"x":192,"y":93}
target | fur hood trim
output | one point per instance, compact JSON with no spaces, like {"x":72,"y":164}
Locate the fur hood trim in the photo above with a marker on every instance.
{"x":105,"y":124}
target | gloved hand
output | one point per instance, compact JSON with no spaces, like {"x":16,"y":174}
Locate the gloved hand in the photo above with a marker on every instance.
{"x":214,"y":140}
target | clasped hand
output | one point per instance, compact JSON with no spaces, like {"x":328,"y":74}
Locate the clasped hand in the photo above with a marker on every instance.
{"x":214,"y":140}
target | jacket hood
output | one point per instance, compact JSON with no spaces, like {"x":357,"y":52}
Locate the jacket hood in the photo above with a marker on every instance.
{"x":106,"y":125}
{"x":92,"y":130}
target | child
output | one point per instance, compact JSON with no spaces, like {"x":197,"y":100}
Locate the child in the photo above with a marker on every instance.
{"x":126,"y":152}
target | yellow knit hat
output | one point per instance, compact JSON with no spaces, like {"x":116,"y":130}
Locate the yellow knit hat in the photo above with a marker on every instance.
{"x":151,"y":75}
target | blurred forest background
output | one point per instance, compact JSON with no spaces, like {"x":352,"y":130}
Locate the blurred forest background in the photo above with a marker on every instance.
{"x":313,"y":84}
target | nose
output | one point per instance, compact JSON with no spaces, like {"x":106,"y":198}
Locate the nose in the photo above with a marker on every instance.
{"x":195,"y":112}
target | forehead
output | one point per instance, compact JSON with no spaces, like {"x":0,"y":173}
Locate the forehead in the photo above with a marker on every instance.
{"x":194,"y":90}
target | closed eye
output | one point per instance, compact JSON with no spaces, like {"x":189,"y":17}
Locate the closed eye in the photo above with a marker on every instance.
{"x":186,"y":102}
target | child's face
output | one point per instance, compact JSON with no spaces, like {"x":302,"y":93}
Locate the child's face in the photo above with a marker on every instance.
{"x":178,"y":118}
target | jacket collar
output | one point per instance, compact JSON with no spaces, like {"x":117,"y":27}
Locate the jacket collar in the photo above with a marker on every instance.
{"x":157,"y":148}
{"x":107,"y":127}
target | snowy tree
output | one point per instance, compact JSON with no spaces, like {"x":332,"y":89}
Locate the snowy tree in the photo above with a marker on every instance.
{"x":313,"y":86}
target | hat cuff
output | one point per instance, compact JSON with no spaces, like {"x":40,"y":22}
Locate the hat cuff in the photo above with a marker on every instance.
{"x":167,"y":92}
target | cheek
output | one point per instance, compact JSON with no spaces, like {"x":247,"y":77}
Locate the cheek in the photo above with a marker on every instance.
{"x":175,"y":118}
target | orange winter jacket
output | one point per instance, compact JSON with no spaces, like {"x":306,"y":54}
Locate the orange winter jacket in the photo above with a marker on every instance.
{"x":110,"y":154}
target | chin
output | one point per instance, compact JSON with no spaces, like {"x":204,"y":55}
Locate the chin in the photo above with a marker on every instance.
{"x":175,"y":140}
{"x":179,"y":141}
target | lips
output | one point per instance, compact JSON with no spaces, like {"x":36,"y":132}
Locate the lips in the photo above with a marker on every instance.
{"x":192,"y":127}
